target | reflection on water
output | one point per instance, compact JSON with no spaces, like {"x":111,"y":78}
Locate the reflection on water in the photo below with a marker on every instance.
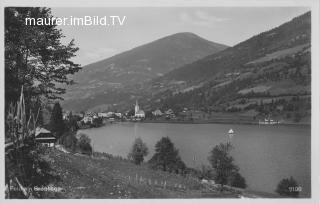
{"x":265,"y":154}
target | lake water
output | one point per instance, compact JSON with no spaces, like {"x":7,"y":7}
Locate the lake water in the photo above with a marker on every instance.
{"x":265,"y":154}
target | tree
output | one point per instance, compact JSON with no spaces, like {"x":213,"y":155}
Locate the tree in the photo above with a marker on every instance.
{"x":138,"y":152}
{"x":288,"y":187}
{"x":71,"y":123}
{"x":131,"y":112}
{"x":97,"y":122}
{"x":222,"y":163}
{"x":167,"y":157}
{"x":35,"y":58}
{"x":206,"y":172}
{"x":56,"y":120}
{"x":238,"y":181}
{"x":149,"y":114}
{"x":85,"y":144}
{"x":297,"y":117}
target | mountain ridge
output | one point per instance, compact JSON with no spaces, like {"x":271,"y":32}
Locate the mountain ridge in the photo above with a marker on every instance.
{"x":304,"y":19}
{"x":271,"y":66}
{"x":141,"y":64}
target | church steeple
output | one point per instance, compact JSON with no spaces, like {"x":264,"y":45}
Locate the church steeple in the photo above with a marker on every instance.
{"x":136,"y":108}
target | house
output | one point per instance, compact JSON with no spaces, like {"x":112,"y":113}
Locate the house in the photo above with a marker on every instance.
{"x":66,"y":116}
{"x":157,"y":112}
{"x":110,"y":114}
{"x":102,"y":115}
{"x":87,"y":119}
{"x":169,"y":112}
{"x":138,"y":113}
{"x":45,"y":137}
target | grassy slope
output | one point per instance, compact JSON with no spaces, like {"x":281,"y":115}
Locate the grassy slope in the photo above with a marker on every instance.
{"x":86,"y":177}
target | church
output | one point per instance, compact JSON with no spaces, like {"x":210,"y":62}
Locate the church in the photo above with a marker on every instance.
{"x":138,"y":113}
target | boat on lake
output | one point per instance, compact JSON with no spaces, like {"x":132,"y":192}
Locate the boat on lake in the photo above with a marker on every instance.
{"x":268,"y":122}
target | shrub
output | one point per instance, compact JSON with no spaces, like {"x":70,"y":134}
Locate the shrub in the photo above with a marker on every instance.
{"x":85,"y":144}
{"x":206,"y":172}
{"x":138,"y":152}
{"x":97,"y":122}
{"x":287,"y":187}
{"x":297,"y":117}
{"x":238,"y":181}
{"x":69,"y":140}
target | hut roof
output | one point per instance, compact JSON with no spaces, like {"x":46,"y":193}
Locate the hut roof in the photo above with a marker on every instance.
{"x":41,"y":131}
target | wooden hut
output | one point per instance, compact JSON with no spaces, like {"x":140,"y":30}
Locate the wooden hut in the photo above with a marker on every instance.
{"x":45,"y":137}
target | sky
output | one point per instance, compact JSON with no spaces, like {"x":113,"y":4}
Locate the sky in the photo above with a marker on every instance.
{"x":225,"y":25}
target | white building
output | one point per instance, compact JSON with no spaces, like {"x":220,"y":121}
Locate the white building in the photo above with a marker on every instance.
{"x":138,"y":113}
{"x":169,"y":112}
{"x":157,"y":112}
{"x":110,"y":114}
{"x":118,"y":114}
{"x":87,"y":119}
{"x":103,"y":115}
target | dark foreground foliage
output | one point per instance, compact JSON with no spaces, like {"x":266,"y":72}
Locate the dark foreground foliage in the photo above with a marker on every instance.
{"x":166,"y":157}
{"x":288,"y":187}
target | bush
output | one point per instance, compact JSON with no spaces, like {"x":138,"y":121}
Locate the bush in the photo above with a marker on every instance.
{"x":238,"y":181}
{"x":138,"y":152}
{"x":69,"y":140}
{"x":85,"y":144}
{"x":297,"y":117}
{"x":97,"y":122}
{"x":206,"y":173}
{"x":287,"y":187}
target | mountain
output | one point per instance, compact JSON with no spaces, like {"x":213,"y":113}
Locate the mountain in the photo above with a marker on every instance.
{"x":266,"y":74}
{"x":139,"y":65}
{"x":288,"y":35}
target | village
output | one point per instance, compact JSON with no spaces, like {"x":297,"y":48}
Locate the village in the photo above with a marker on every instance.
{"x":96,"y":119}
{"x":91,"y":119}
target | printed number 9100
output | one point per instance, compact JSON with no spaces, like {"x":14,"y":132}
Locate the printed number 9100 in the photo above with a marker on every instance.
{"x":295,"y":189}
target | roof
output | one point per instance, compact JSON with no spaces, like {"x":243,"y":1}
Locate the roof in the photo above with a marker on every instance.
{"x":231,"y":131}
{"x":41,"y":131}
{"x":46,"y":138}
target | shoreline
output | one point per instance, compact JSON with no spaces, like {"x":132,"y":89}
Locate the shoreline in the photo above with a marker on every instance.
{"x":221,"y":122}
{"x":203,"y":122}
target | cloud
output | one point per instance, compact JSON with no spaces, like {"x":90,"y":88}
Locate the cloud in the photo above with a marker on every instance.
{"x":201,"y":18}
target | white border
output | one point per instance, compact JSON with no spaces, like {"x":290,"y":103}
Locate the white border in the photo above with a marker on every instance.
{"x":315,"y":145}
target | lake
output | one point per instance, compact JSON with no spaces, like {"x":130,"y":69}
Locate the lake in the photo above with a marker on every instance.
{"x":265,"y":154}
